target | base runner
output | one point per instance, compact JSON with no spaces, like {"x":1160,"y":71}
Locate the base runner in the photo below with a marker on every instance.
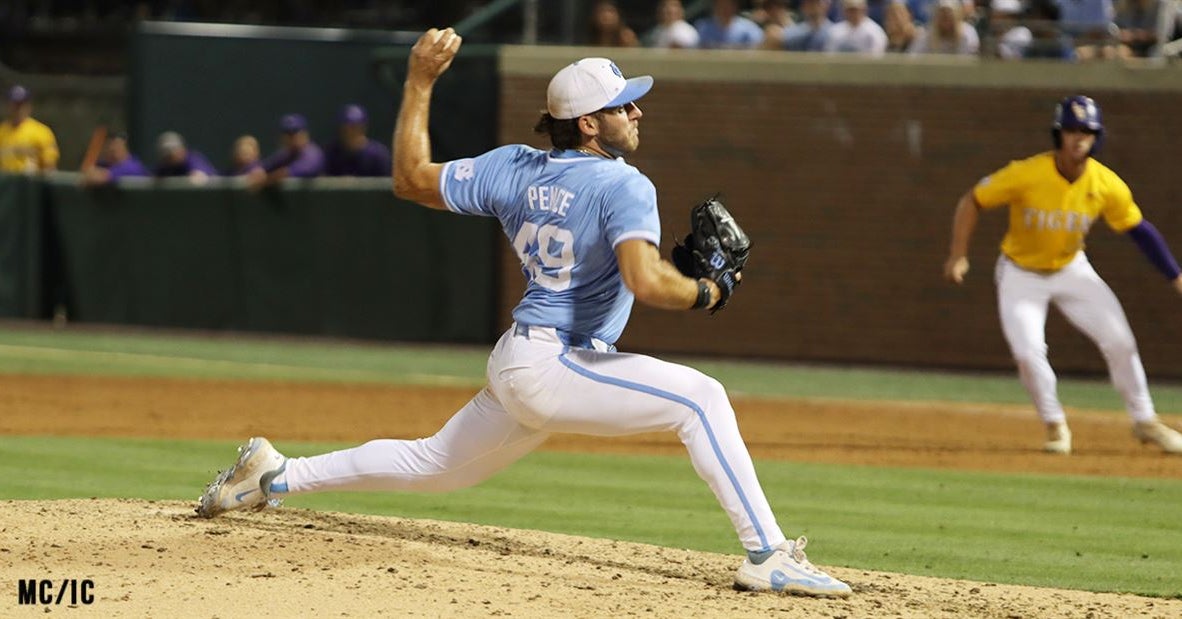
{"x":1054,"y":198}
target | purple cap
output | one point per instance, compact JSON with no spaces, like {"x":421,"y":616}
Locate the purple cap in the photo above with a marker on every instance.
{"x":293,"y":123}
{"x":353,"y":114}
{"x":19,"y":94}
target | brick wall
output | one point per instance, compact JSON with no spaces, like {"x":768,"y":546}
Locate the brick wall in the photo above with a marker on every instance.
{"x":847,"y":191}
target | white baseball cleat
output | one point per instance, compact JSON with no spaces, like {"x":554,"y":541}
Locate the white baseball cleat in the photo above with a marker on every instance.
{"x":247,"y":484}
{"x":1169,"y":439}
{"x":1058,"y":438}
{"x":788,"y":570}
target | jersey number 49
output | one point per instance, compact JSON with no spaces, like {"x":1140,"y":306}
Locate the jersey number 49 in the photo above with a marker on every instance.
{"x":547,"y":254}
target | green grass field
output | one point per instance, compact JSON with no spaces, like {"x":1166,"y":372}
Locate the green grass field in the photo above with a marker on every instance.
{"x":1100,"y":534}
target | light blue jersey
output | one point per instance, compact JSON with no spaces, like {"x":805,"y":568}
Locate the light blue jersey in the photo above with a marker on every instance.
{"x":564,"y":213}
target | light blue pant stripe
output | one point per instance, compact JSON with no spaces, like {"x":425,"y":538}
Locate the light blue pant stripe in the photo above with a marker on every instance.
{"x":599,"y":378}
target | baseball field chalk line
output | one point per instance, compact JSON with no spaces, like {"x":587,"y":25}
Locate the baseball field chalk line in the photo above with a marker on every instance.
{"x":195,"y":363}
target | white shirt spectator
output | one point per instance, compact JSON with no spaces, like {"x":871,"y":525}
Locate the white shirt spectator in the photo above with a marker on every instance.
{"x":672,"y":30}
{"x":947,"y":32}
{"x":1012,"y":45}
{"x":862,"y":36}
{"x":679,"y":34}
{"x":967,"y":44}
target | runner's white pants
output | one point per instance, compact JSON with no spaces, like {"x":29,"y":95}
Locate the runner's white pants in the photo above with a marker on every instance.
{"x":1090,"y":305}
{"x":539,"y":386}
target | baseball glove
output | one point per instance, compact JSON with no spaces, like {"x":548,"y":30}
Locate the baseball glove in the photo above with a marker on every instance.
{"x":716,"y":248}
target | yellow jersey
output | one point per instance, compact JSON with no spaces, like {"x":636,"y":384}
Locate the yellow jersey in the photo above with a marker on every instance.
{"x":27,"y":147}
{"x":1049,"y":216}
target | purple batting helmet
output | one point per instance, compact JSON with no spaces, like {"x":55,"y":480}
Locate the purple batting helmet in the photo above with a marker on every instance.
{"x":1078,"y":112}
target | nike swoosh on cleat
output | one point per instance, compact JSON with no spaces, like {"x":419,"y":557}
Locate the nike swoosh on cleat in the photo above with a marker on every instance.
{"x":779,"y":580}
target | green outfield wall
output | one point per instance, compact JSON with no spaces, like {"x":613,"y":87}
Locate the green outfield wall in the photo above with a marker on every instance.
{"x":21,"y":247}
{"x":308,"y":258}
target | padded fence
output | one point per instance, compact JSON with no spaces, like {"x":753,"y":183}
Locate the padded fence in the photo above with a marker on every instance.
{"x":305,"y":260}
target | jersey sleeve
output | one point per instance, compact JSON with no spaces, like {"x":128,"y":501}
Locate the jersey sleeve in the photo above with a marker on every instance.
{"x":1119,"y":210}
{"x":998,"y":189}
{"x":631,"y":212}
{"x":469,"y":186}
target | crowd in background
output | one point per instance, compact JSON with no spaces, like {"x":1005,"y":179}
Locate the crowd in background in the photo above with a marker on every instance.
{"x":29,"y":146}
{"x":1065,"y":29}
{"x":1009,"y":29}
{"x":35,"y":32}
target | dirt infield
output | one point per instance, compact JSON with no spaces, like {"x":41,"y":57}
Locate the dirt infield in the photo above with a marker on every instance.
{"x":155,"y":559}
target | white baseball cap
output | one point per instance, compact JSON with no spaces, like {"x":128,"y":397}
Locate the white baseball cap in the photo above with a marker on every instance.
{"x":589,"y":85}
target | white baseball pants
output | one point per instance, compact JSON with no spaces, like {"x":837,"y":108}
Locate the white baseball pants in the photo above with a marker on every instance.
{"x":1090,"y":305}
{"x":538,"y":386}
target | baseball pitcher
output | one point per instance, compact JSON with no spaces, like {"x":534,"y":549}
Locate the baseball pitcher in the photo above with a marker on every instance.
{"x":1054,"y":198}
{"x":584,"y":224}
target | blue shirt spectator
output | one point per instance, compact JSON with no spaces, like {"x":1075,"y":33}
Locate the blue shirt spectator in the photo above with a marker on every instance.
{"x":1085,"y":16}
{"x":177,"y":159}
{"x":811,"y":33}
{"x":353,"y":153}
{"x":921,"y":10}
{"x":725,"y":28}
{"x":1138,"y":21}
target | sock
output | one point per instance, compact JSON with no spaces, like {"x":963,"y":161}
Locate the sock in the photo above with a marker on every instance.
{"x":278,"y":482}
{"x":759,"y":556}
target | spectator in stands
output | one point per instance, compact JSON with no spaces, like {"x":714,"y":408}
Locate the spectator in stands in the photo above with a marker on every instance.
{"x":948,"y":33}
{"x":115,"y":163}
{"x":770,"y":12}
{"x":856,"y":33}
{"x":807,"y":35}
{"x":725,"y":28}
{"x":353,"y":153}
{"x":245,"y":156}
{"x":1137,"y":20}
{"x":921,"y":10}
{"x":1012,"y":37}
{"x":1046,"y":40}
{"x":900,"y":28}
{"x":177,"y":159}
{"x":1088,"y":26}
{"x":672,"y":30}
{"x":26,"y":144}
{"x":758,"y":13}
{"x":875,"y":10}
{"x":607,"y":29}
{"x":298,"y":156}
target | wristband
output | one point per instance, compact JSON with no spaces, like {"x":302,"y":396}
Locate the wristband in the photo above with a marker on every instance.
{"x":703,"y":295}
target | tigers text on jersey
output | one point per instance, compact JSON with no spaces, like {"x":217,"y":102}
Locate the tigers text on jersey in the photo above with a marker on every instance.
{"x":1049,"y":217}
{"x":564,"y":212}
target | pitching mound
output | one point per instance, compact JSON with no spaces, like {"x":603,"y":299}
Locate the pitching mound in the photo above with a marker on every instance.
{"x":157,"y":559}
